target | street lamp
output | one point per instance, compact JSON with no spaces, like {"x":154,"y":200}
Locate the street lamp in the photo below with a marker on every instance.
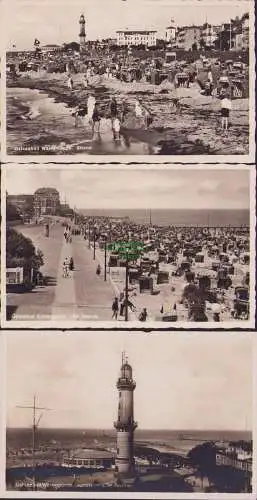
{"x":105,"y":257}
{"x":94,"y":243}
{"x":126,"y":287}
{"x":88,"y":235}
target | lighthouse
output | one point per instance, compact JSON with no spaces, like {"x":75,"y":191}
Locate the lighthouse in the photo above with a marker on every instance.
{"x":82,"y":31}
{"x":125,"y":425}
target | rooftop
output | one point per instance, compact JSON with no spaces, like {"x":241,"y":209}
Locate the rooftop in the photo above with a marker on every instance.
{"x":126,"y":30}
{"x":90,"y":454}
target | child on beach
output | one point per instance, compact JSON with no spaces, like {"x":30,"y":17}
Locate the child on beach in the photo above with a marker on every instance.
{"x":90,"y":107}
{"x":226,"y":106}
{"x":116,"y":129}
{"x":70,"y":83}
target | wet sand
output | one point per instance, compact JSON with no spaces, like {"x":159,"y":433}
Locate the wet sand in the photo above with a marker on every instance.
{"x":195,"y":131}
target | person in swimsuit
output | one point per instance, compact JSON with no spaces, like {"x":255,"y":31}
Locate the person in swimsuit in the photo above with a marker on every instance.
{"x":96,"y":119}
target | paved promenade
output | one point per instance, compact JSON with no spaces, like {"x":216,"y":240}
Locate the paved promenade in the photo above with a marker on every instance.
{"x":85,"y":296}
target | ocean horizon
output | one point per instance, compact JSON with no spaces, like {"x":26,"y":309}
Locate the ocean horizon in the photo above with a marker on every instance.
{"x":179,"y":441}
{"x":176,"y":217}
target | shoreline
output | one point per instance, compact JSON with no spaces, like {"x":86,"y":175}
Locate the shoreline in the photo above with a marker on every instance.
{"x":195,"y":131}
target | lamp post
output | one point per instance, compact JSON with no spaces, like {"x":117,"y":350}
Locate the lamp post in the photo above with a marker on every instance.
{"x":94,"y":243}
{"x":105,"y":257}
{"x":88,"y":235}
{"x":126,"y":288}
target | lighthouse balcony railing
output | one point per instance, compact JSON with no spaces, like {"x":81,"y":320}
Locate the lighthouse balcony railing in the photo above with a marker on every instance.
{"x":126,"y":381}
{"x":125,"y":425}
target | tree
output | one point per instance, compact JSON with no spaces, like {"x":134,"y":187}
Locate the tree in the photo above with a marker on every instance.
{"x":203,"y":458}
{"x":20,"y":251}
{"x":12,"y":213}
{"x":74,"y":46}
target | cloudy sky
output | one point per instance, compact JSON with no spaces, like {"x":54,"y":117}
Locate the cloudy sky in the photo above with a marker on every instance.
{"x":185,"y":381}
{"x":57,"y":22}
{"x":187,"y":188}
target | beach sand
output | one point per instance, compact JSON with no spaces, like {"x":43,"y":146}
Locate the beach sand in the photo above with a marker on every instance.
{"x":195,"y":131}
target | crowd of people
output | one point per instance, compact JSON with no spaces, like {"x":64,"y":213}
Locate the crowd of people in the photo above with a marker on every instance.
{"x":199,"y":265}
{"x":225,"y":80}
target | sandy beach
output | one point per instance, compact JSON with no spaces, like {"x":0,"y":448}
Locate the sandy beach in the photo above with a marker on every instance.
{"x":196,"y":130}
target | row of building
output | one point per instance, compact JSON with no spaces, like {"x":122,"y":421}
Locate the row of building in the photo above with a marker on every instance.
{"x":232,"y":35}
{"x":45,"y":201}
{"x":234,"y":456}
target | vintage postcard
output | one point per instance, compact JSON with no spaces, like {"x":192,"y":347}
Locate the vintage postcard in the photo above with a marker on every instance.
{"x":173,"y":80}
{"x":118,"y":248}
{"x":88,"y":413}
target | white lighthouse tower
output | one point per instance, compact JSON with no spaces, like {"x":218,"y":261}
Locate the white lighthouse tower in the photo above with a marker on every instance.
{"x":82,"y":31}
{"x":125,"y":425}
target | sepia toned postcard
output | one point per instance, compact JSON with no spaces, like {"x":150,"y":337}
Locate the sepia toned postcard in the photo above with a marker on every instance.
{"x":163,"y":79}
{"x":118,"y":248}
{"x":89,"y":414}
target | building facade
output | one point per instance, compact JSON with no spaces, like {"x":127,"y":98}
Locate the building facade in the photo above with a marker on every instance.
{"x":89,"y":459}
{"x":188,"y":37}
{"x":125,"y":424}
{"x":136,"y":37}
{"x":237,"y":461}
{"x":46,"y":202}
{"x":170,"y":33}
{"x":209,"y":34}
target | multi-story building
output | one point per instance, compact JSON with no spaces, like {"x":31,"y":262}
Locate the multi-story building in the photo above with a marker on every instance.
{"x":209,"y":34}
{"x":46,"y":202}
{"x":51,"y":49}
{"x":245,"y":31}
{"x":89,"y":459}
{"x":170,"y":33}
{"x":136,"y":37}
{"x":188,"y":37}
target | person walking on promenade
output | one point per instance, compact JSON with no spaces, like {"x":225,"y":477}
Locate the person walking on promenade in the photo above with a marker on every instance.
{"x":98,"y":270}
{"x":66,"y":268}
{"x":115,"y":308}
{"x":143,"y":315}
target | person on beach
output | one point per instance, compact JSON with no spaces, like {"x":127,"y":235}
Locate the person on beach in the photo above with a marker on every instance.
{"x":85,"y":82}
{"x":70,"y":83}
{"x":143,"y":315}
{"x":115,"y":308}
{"x":79,"y":114}
{"x":113,"y":109}
{"x":124,"y":110}
{"x":90,"y":107}
{"x":147,"y":116}
{"x":116,"y":129}
{"x":138,"y":109}
{"x":96,"y":120}
{"x":226,"y":106}
{"x":71,"y":264}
